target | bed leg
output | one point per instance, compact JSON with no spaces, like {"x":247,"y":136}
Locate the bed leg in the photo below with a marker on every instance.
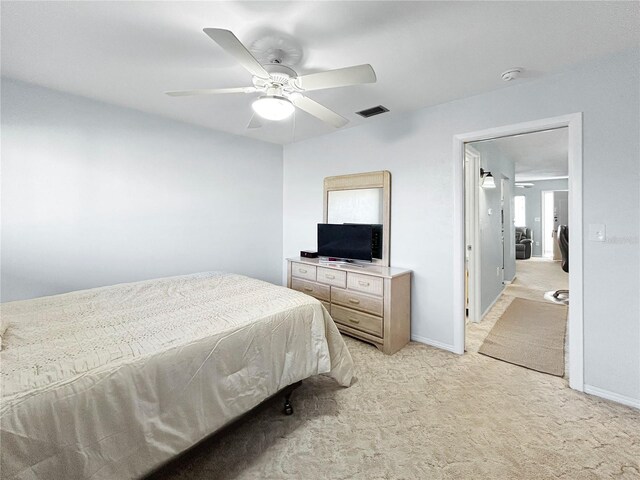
{"x":288,"y":408}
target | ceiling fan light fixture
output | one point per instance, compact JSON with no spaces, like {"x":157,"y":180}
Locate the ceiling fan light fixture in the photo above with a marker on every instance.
{"x":273,"y":107}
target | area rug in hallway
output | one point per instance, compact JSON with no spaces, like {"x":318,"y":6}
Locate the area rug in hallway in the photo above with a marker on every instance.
{"x":530,"y":334}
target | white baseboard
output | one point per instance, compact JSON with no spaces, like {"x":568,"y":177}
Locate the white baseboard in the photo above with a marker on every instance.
{"x":493,"y":303}
{"x":433,"y":343}
{"x":615,"y":397}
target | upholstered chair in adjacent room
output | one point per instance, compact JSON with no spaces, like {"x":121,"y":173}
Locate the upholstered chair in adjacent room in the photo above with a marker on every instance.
{"x":523,"y":243}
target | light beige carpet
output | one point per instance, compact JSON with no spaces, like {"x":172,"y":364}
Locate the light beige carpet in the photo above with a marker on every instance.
{"x":530,"y":334}
{"x":540,"y":274}
{"x":534,"y":277}
{"x":425,"y":413}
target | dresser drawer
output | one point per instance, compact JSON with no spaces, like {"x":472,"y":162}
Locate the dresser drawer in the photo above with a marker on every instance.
{"x":358,"y":320}
{"x":357,"y":301}
{"x":321,"y":292}
{"x":365,"y":283}
{"x":300,"y":270}
{"x":327,"y":305}
{"x":333,"y":277}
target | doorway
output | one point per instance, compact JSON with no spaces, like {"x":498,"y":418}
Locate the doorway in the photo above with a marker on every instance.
{"x":555,"y":212}
{"x":574,"y":200}
{"x":520,"y":280}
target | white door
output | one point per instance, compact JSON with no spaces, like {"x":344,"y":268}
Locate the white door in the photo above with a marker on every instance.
{"x":560,"y":217}
{"x":508,"y":232}
{"x":548,"y":238}
{"x":472,"y":234}
{"x":503,"y":185}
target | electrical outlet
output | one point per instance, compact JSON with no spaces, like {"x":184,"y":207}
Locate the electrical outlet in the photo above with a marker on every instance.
{"x":537,"y":219}
{"x":498,"y":271}
{"x":537,"y":244}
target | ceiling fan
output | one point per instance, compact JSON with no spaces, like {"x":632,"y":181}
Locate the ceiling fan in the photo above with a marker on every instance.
{"x":281,"y":87}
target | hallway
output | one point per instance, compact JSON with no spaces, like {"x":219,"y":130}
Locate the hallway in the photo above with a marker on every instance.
{"x":534,"y":277}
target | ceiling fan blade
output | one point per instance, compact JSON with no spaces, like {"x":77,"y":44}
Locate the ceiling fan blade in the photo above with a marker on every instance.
{"x":340,"y":77}
{"x":254,"y":122}
{"x":212,"y":91}
{"x":319,"y":111}
{"x":230,"y":43}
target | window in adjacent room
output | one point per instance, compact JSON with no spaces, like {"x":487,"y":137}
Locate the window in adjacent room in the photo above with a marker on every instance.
{"x":520,"y":212}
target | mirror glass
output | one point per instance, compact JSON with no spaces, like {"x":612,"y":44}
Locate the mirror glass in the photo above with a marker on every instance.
{"x":355,"y":206}
{"x":361,"y":198}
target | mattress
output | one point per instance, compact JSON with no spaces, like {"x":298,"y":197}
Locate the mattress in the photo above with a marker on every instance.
{"x":111,"y":382}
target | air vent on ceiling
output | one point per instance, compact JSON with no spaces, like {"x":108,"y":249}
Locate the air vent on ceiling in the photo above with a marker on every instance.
{"x":370,"y":112}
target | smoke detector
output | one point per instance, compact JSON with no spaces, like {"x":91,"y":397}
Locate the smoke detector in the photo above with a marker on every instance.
{"x":511,"y":74}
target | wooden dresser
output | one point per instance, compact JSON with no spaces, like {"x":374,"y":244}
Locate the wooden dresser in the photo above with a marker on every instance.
{"x":371,"y":303}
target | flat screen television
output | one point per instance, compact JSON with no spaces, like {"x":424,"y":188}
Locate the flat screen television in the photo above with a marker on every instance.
{"x":345,"y":241}
{"x":376,"y":239}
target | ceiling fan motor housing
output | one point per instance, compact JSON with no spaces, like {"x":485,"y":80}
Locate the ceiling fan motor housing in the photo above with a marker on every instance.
{"x":275,"y":69}
{"x":273,"y":91}
{"x":281,"y":78}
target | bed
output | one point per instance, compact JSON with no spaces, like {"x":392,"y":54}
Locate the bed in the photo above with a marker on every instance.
{"x":111,"y":382}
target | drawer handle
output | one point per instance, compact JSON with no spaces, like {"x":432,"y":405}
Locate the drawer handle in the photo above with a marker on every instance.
{"x":364,"y":284}
{"x":307,"y":289}
{"x":354,"y":320}
{"x":355,"y":301}
{"x":302,"y":270}
{"x":330,"y":277}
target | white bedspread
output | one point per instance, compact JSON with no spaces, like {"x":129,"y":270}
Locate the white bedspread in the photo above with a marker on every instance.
{"x":110,"y":382}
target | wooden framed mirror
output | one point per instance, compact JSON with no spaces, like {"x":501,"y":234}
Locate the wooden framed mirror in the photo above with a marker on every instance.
{"x":361,"y":198}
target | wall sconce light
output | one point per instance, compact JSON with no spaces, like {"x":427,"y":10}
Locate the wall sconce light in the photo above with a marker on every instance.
{"x":487,"y":180}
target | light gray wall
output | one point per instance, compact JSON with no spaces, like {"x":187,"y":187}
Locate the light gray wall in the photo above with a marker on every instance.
{"x":94,"y":195}
{"x":491,"y":259}
{"x":533,"y":205}
{"x":417,"y":148}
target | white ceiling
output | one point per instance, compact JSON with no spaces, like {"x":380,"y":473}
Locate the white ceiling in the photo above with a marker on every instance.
{"x":537,"y":156}
{"x":424,"y":53}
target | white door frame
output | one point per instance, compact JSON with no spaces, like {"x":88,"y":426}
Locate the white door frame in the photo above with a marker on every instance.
{"x":576,"y":336}
{"x":472,"y":187}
